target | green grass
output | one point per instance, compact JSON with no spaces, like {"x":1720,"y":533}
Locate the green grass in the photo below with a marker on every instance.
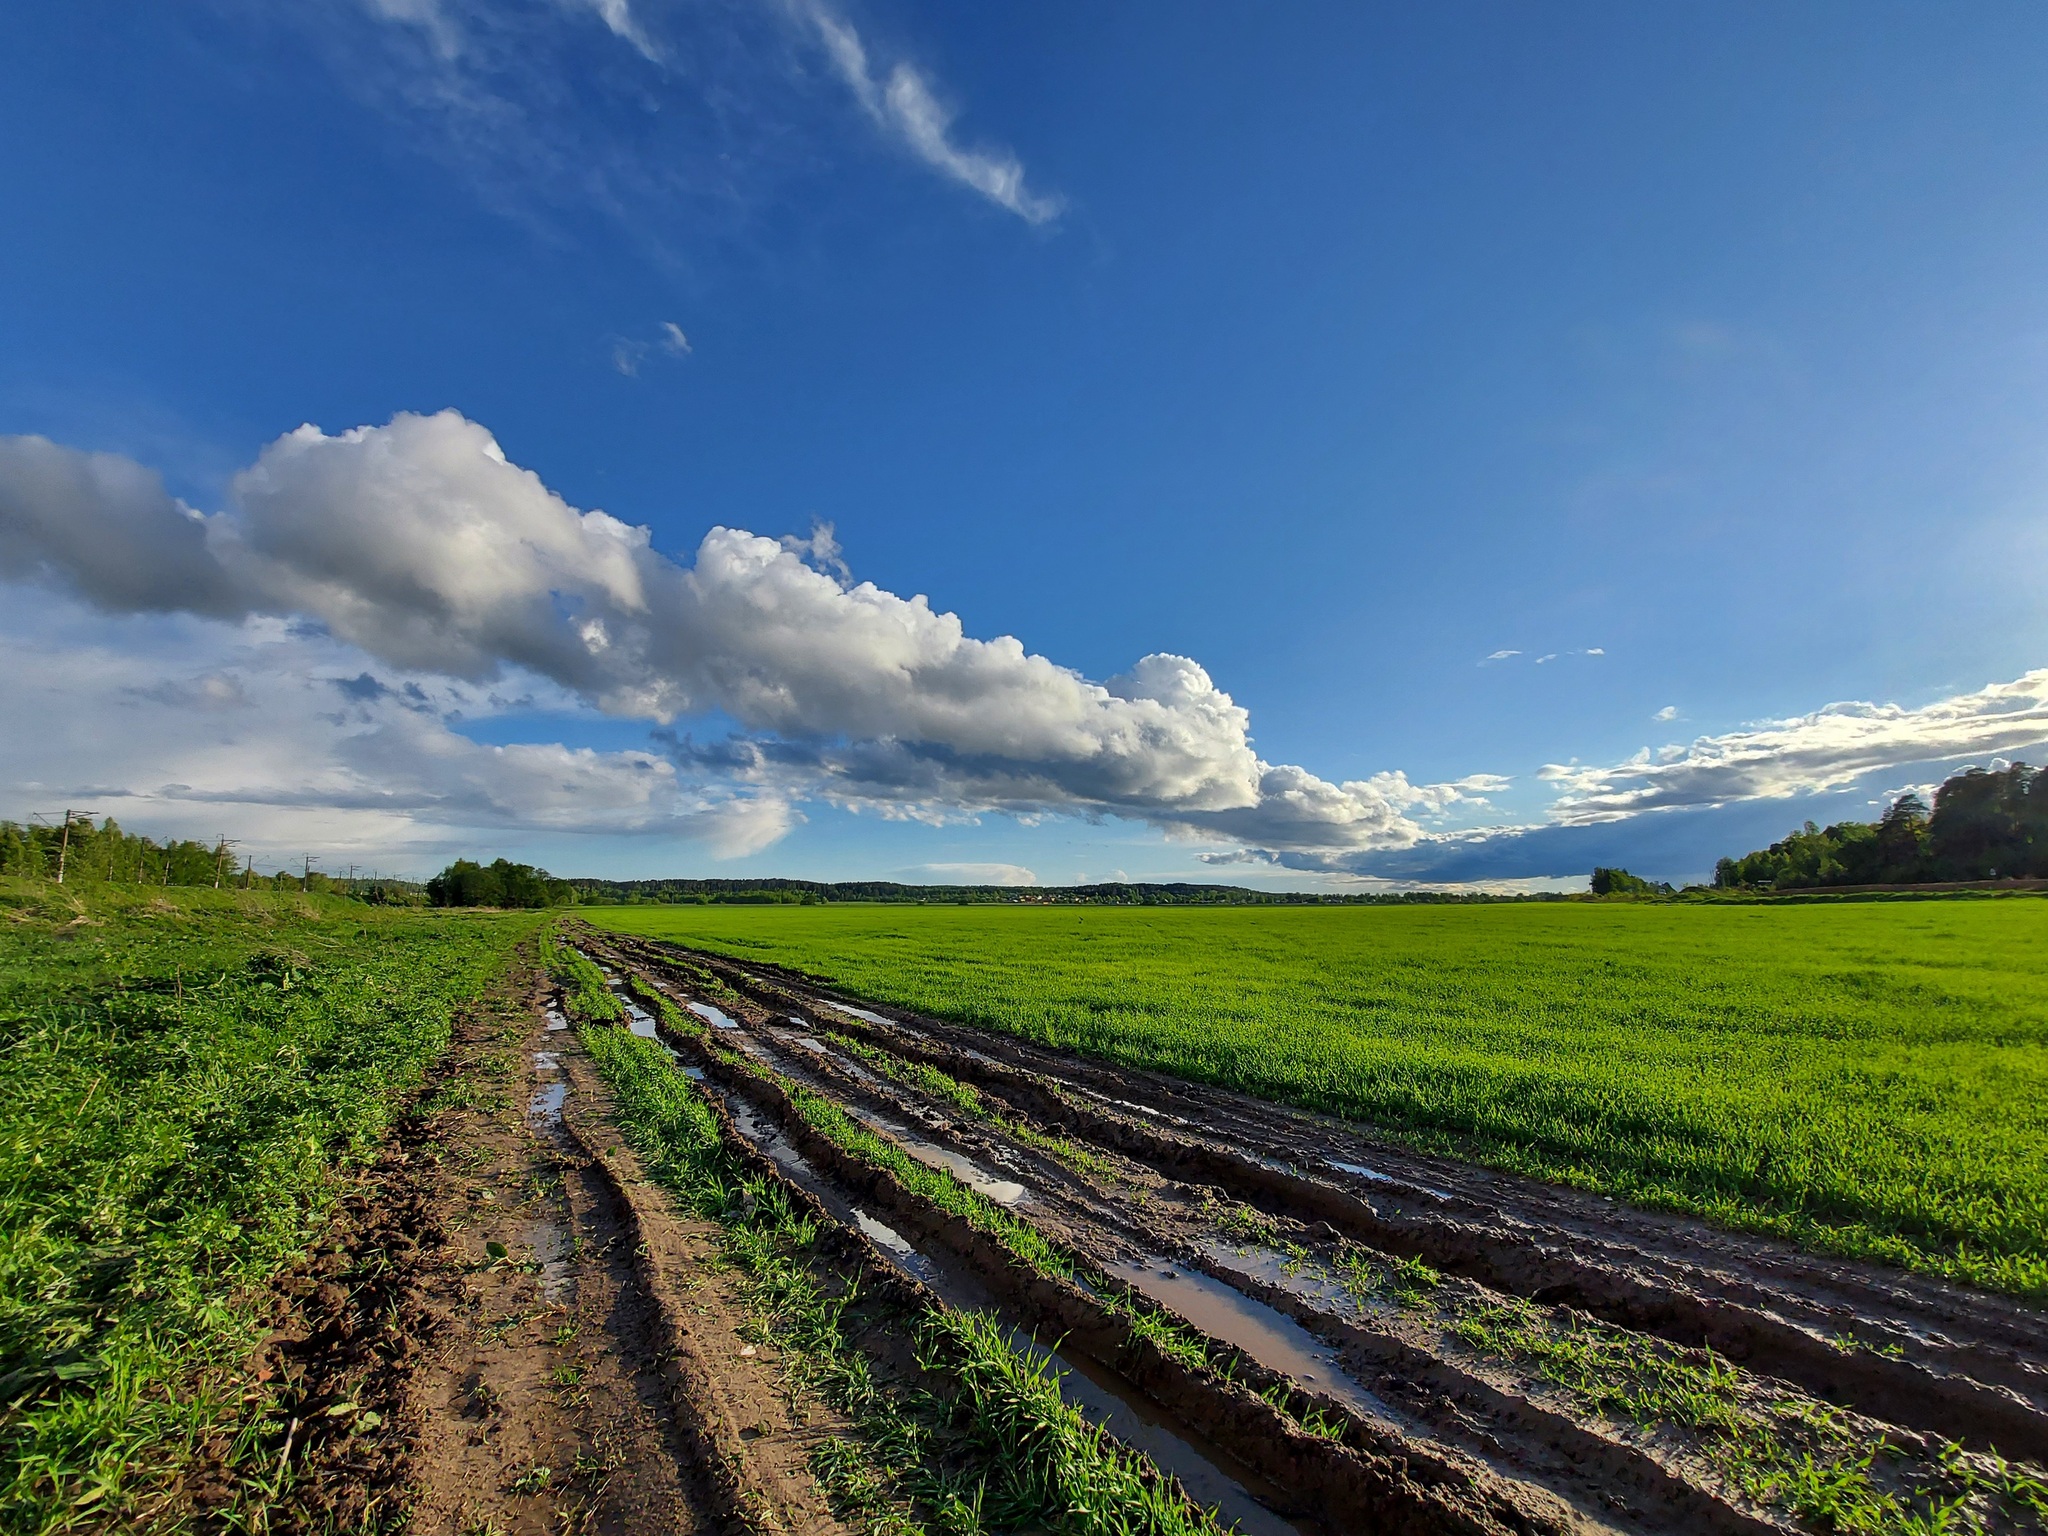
{"x":183,"y":1074}
{"x":1865,"y":1079}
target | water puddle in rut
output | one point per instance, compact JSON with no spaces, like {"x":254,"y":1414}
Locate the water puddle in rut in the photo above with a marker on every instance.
{"x":717,"y":1018}
{"x":1363,"y":1172}
{"x":1270,"y":1337}
{"x":1101,"y":1396}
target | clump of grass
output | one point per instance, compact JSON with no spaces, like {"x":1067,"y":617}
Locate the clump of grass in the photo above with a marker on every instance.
{"x":181,"y":1083}
{"x":984,"y":1442}
{"x":1792,"y":1453}
{"x":584,"y":993}
{"x":970,"y":1101}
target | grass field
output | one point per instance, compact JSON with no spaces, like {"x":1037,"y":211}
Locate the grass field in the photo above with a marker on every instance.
{"x":183,"y":1073}
{"x":1864,"y":1079}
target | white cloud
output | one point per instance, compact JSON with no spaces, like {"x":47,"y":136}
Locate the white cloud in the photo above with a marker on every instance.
{"x":1668,"y":712}
{"x":1542,"y":659}
{"x":190,"y":728}
{"x":1500,"y":656}
{"x":618,"y":15}
{"x":419,"y":543}
{"x":904,"y":106}
{"x":1828,"y":749}
{"x":1594,"y":650}
{"x":673,"y":339}
{"x":969,"y":874}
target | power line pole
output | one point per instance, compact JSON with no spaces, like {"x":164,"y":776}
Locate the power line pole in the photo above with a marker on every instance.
{"x":64,"y":835}
{"x":306,"y":880}
{"x":220,"y":853}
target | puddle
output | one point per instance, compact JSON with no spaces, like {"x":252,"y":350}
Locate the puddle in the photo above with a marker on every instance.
{"x":966,"y":1170}
{"x":1107,"y":1401}
{"x":1362,"y":1171}
{"x":694,"y":1074}
{"x":546,"y":1104}
{"x":551,"y":1246}
{"x":715,"y":1017}
{"x":546,"y":1061}
{"x":1270,"y":1337}
{"x":1002,"y":1191}
{"x":1377,"y":1177}
{"x":896,"y":1245}
{"x":555,"y":1021}
{"x":862,"y":1013}
{"x":639,"y":1020}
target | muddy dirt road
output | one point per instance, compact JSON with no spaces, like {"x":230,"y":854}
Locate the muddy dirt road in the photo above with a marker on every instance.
{"x":1385,"y":1341}
{"x":1299,"y":1330}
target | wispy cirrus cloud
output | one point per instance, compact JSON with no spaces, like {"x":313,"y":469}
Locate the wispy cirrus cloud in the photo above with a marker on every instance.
{"x":903,"y":104}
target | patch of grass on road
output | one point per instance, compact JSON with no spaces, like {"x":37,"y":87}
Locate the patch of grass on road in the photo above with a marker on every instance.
{"x":1864,"y":1079}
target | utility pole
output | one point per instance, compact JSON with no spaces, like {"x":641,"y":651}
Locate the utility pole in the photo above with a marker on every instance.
{"x":306,"y":880}
{"x":220,"y":853}
{"x":64,"y":836}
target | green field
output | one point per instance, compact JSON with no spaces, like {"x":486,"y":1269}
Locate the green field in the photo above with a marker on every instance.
{"x":184,"y":1075}
{"x":1868,"y":1079}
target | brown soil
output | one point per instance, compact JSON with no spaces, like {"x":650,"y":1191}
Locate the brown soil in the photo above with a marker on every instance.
{"x":505,"y":1331}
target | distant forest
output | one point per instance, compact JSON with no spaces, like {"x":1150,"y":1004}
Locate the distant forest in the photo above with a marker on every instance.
{"x":1116,"y":894}
{"x":1986,"y":824}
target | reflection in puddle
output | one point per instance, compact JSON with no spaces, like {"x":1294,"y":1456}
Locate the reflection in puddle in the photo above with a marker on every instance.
{"x":694,"y":1074}
{"x":1361,"y":1170}
{"x":546,"y":1103}
{"x":1105,"y":1400}
{"x":862,"y":1013}
{"x":551,"y":1248}
{"x":555,"y":1020}
{"x":966,"y":1170}
{"x":1384,"y":1178}
{"x":712,"y":1016}
{"x":639,"y":1020}
{"x":1270,"y":1337}
{"x":896,"y":1246}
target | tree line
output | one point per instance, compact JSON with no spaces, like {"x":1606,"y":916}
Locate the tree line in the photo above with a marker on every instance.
{"x":77,"y":851}
{"x":501,"y":883}
{"x":1985,"y":824}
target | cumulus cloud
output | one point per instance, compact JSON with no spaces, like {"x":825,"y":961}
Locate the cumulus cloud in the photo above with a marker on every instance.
{"x":905,"y":107}
{"x":1668,"y":712}
{"x":420,"y":544}
{"x":244,"y":730}
{"x":1828,"y":749}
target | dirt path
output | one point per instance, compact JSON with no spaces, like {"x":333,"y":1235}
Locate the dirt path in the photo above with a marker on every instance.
{"x":506,"y":1331}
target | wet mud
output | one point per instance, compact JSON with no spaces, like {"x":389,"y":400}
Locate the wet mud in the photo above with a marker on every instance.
{"x":1345,"y":1277}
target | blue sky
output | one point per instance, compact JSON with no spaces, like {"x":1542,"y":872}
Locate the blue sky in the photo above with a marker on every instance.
{"x":1479,"y":395}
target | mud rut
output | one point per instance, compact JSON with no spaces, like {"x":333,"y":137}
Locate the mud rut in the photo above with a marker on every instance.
{"x":1291,"y":1241}
{"x":551,"y":1348}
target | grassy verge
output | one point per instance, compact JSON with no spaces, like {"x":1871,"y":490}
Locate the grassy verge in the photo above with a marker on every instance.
{"x":981,"y":1441}
{"x":184,"y":1076}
